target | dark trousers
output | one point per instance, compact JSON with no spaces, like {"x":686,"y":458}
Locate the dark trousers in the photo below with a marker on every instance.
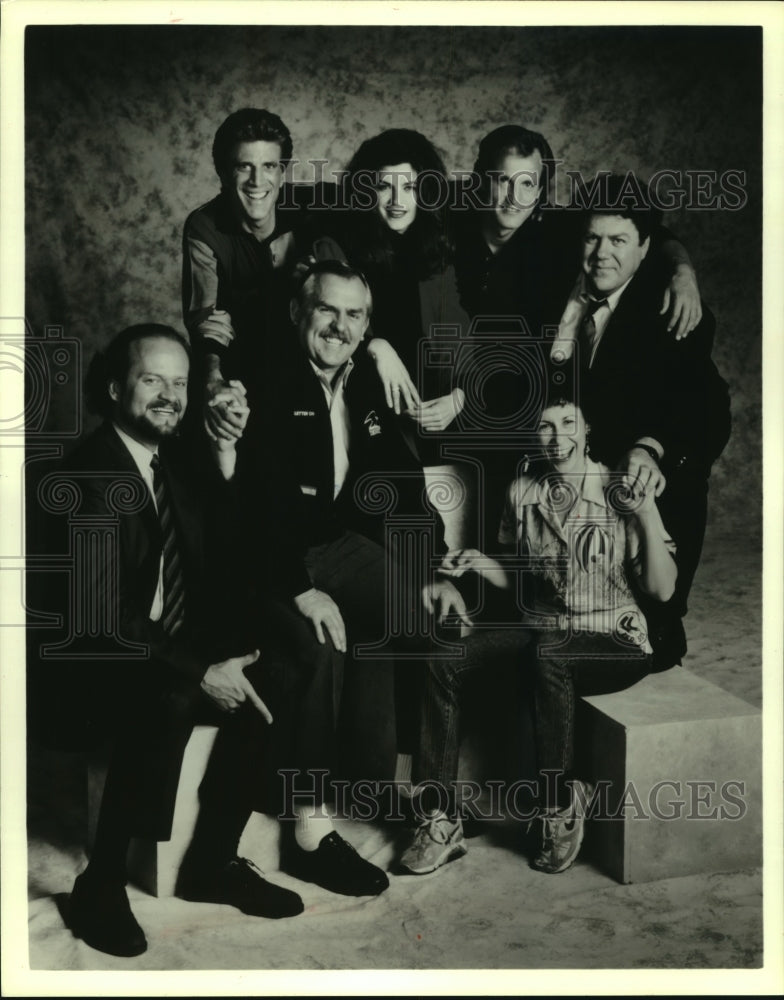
{"x":147,"y":751}
{"x":684,"y":509}
{"x":333,"y":712}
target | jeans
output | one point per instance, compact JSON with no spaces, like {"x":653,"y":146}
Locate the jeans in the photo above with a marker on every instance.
{"x":439,"y":738}
{"x":586,"y":663}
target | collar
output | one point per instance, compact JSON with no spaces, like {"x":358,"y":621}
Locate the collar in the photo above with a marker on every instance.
{"x":591,"y":488}
{"x":141,"y":455}
{"x":611,"y":300}
{"x":340,"y":379}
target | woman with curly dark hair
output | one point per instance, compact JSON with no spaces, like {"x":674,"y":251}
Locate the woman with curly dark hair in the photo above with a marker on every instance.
{"x":396,"y":192}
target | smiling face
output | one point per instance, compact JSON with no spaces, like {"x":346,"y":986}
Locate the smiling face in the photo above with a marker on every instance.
{"x":396,"y":196}
{"x":331,"y":319}
{"x":612,"y":252}
{"x":563,"y":433}
{"x":150,"y":403}
{"x":254,"y":178}
{"x":515,"y":187}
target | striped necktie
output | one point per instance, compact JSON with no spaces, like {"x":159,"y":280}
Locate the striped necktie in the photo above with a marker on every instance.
{"x":588,"y":331}
{"x":173,"y":582}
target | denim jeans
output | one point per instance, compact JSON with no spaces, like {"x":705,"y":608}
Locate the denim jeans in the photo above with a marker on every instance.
{"x":567,"y":666}
{"x":439,"y":736}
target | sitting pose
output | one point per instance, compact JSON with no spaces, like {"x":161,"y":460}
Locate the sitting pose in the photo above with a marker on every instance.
{"x":320,"y":451}
{"x":581,"y":541}
{"x":180,"y":663}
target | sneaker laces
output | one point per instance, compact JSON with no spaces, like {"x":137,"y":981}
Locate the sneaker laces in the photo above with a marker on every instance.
{"x":437,"y":828}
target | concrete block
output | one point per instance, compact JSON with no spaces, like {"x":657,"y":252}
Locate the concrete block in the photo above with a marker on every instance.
{"x":681,"y":759}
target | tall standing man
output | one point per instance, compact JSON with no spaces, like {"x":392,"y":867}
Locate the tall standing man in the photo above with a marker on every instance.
{"x":239,"y":255}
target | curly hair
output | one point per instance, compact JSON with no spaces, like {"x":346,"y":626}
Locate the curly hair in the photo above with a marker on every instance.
{"x":370,"y":242}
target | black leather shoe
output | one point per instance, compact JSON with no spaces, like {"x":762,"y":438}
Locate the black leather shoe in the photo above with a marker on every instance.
{"x":335,"y":865}
{"x":240,"y":883}
{"x":100,"y":915}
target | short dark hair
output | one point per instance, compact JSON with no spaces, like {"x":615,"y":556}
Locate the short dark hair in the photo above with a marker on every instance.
{"x":338,"y":268}
{"x":515,"y":140}
{"x":249,"y":125}
{"x":114,"y":363}
{"x":624,"y":195}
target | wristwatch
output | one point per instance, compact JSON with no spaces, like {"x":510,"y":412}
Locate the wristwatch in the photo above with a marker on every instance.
{"x":651,"y":451}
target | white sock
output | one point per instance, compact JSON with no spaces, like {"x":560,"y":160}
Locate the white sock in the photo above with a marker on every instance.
{"x":403,"y":766}
{"x":311,"y":825}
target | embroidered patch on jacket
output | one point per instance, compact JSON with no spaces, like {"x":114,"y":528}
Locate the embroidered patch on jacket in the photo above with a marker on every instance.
{"x":372,"y":423}
{"x":304,"y":413}
{"x":309,"y":491}
{"x":631,"y":628}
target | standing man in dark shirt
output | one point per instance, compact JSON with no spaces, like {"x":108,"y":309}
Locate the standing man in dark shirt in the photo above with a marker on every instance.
{"x":239,"y":252}
{"x":515,"y":266}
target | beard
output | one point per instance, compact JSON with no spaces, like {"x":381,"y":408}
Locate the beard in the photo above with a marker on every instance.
{"x":153,"y":431}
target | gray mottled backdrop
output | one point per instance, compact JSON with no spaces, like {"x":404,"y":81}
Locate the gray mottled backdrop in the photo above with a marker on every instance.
{"x":120,"y":120}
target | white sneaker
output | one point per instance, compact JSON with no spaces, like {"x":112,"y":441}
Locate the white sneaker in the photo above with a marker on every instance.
{"x":562,"y":833}
{"x":436,"y":841}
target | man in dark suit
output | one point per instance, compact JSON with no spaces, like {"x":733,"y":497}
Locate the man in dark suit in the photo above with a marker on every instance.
{"x":323,"y":461}
{"x":659,"y":409}
{"x":159,"y":597}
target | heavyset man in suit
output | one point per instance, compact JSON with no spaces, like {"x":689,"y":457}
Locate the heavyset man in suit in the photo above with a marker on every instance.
{"x":660,"y":410}
{"x":193,"y":670}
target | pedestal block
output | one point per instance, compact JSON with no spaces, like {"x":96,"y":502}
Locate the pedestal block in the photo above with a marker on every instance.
{"x":678,"y":766}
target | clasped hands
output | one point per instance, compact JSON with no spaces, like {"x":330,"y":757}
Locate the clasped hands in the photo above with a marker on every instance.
{"x":643,"y":479}
{"x":226,"y":410}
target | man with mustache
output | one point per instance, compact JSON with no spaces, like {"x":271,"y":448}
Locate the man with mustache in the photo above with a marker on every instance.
{"x":320,"y":450}
{"x":193,"y":668}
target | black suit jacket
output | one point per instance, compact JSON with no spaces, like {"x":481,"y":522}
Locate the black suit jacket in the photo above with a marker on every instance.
{"x":286,"y":471}
{"x":644,"y":382}
{"x":197,"y":496}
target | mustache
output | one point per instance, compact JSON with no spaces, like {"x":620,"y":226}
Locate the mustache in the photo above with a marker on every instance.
{"x":172,"y":404}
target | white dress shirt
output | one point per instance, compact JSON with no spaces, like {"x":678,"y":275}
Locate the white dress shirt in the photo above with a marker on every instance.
{"x":142,"y":457}
{"x":334,"y":394}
